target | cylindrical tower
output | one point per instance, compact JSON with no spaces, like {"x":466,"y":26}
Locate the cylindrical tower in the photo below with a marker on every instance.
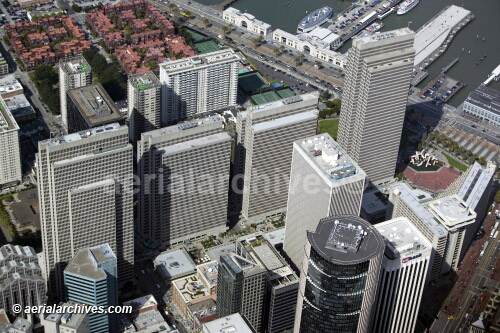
{"x":339,"y":276}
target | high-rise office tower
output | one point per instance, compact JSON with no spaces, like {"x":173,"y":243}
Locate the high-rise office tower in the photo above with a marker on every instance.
{"x":402,"y":281}
{"x":280,"y":294}
{"x":89,"y":107}
{"x":91,"y":278}
{"x":409,"y":203}
{"x":473,"y":187}
{"x":458,"y":219}
{"x":374,"y":100}
{"x":447,"y":223}
{"x":324,"y":181}
{"x":10,"y":155}
{"x":269,"y":147}
{"x":181,"y":167}
{"x":21,"y":277}
{"x":193,"y":197}
{"x":73,"y":73}
{"x":240,"y":288}
{"x":198,"y":84}
{"x":86,"y":198}
{"x":274,"y":110}
{"x":144,"y":104}
{"x":339,"y":277}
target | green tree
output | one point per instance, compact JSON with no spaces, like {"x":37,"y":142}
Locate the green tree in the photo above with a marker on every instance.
{"x":336,"y":101}
{"x":206,"y":22}
{"x":46,"y":72}
{"x":329,"y":104}
{"x":297,"y":61}
{"x":319,"y":64}
{"x":325,"y":95}
{"x":76,"y":8}
{"x":225,"y":29}
{"x":322,"y":114}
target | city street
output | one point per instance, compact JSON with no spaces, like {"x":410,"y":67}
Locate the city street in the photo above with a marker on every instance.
{"x":474,"y":279}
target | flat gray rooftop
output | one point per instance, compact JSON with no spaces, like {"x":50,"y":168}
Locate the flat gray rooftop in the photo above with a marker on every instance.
{"x":402,"y":238}
{"x":84,"y":134}
{"x":82,"y":265}
{"x":231,"y":324}
{"x":95,"y":105}
{"x":175,"y":263}
{"x":477,"y":181}
{"x":214,"y":253}
{"x":327,"y":155}
{"x":187,"y":126}
{"x":275,"y":237}
{"x":285,"y":121}
{"x":7,"y":121}
{"x":346,"y":240}
{"x":485,"y":98}
{"x":195,"y":143}
{"x":102,"y":253}
{"x":9,"y":84}
{"x":408,"y":196}
{"x":198,"y":61}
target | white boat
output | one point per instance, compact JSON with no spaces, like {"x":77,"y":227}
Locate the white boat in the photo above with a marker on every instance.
{"x":314,"y":19}
{"x":406,"y":6}
{"x":385,"y":13}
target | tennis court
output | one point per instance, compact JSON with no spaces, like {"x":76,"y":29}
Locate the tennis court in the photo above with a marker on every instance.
{"x":252,"y":81}
{"x":196,"y":36}
{"x":206,"y":47}
{"x":285,"y":93}
{"x":268,"y":96}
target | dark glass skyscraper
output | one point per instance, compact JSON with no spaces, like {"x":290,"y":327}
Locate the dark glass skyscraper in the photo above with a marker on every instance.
{"x":339,"y":276}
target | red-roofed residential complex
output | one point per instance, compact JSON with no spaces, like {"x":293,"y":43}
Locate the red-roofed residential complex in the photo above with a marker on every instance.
{"x":138,"y":34}
{"x":46,"y":40}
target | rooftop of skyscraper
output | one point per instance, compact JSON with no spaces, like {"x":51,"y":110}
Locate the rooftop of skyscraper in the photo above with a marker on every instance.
{"x":7,"y":121}
{"x":452,"y":212}
{"x":415,"y":200}
{"x":346,"y":240}
{"x":384,"y":36}
{"x":186,"y":126}
{"x":76,"y":65}
{"x":477,"y":180}
{"x":233,"y":323}
{"x":199,"y":142}
{"x":95,"y":105}
{"x":402,"y":238}
{"x":83,"y":265}
{"x":311,"y":96}
{"x":102,"y":253}
{"x":327,"y":155}
{"x":201,"y":60}
{"x":144,"y":81}
{"x":285,"y":121}
{"x":83,"y":134}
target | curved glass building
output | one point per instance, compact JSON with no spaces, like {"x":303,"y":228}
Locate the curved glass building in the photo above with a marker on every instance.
{"x":339,"y":276}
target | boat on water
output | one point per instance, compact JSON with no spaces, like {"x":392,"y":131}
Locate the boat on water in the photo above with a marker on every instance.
{"x":384,"y":13}
{"x":371,"y":29}
{"x":314,"y":19}
{"x":406,"y":6}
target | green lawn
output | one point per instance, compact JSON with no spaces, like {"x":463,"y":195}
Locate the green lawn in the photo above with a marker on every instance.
{"x":330,"y":126}
{"x":454,"y":163}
